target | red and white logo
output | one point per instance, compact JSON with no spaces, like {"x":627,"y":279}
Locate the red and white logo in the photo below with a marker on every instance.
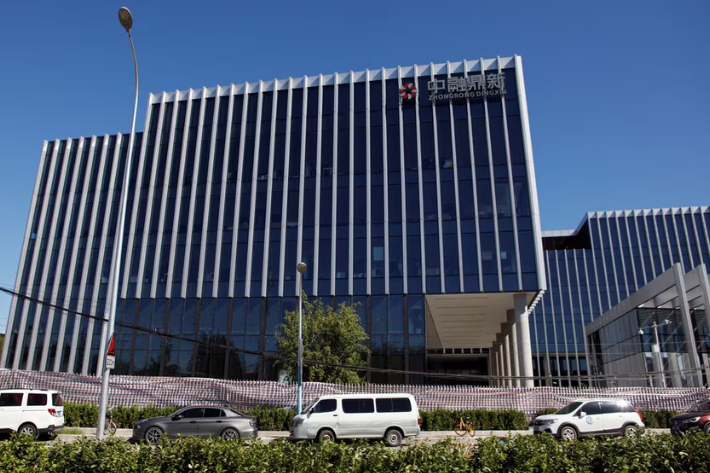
{"x":408,"y":91}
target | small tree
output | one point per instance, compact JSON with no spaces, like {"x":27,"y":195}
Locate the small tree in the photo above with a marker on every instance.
{"x":333,"y":336}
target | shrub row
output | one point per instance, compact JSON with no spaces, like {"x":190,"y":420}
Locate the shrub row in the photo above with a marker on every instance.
{"x":270,"y":418}
{"x":521,"y":454}
{"x":483,"y":419}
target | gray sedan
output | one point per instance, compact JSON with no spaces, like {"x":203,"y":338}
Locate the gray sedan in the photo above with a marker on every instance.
{"x":199,"y":421}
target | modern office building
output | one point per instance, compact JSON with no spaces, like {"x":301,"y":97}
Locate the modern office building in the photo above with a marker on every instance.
{"x":590,"y":271}
{"x":408,"y":190}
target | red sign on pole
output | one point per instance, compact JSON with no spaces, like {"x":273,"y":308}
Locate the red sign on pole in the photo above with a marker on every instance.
{"x":111,"y":348}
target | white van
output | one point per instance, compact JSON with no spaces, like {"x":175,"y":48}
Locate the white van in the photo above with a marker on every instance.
{"x":391,"y":417}
{"x":31,"y":411}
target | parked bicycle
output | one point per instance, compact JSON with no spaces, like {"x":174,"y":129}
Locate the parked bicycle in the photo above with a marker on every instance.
{"x":461,"y":427}
{"x":110,"y":426}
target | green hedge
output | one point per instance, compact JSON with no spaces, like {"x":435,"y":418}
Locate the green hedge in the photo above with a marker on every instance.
{"x":658,"y":419}
{"x":483,"y":419}
{"x":270,"y":418}
{"x":650,"y":453}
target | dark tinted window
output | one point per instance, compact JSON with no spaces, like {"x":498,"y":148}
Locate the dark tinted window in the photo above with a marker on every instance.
{"x":570,"y":408}
{"x":399,"y":404}
{"x":592,"y":408}
{"x":611,"y":407}
{"x":192,"y":413}
{"x":57,"y":400}
{"x":36,"y":399}
{"x":214,"y":413}
{"x":358,"y":406}
{"x":10,"y":399}
{"x":326,"y":405}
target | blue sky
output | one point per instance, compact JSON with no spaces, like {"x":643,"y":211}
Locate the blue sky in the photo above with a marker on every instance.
{"x":617,"y":90}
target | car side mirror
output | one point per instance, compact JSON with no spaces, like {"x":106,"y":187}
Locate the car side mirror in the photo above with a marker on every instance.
{"x":177,"y":417}
{"x":582,"y":415}
{"x":312,"y":410}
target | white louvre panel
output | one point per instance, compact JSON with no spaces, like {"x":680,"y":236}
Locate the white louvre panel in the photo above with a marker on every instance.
{"x":420,"y":182}
{"x":334,"y":208}
{"x":50,"y":235}
{"x":351,"y":198}
{"x":552,"y":305}
{"x":368,"y":186}
{"x":694,"y":230}
{"x":475,"y":196}
{"x":640,"y":282}
{"x":254,"y":174}
{"x":101,"y":311}
{"x":529,"y":166}
{"x":23,"y":254}
{"x":604,"y":265}
{"x":178,"y":195}
{"x":114,"y":189}
{"x":284,"y":202}
{"x":72,"y":261}
{"x":405,"y":274}
{"x":60,"y":264}
{"x":136,"y":200}
{"x":316,"y":229}
{"x":301,"y":184}
{"x":657,"y":232}
{"x":493,"y":182}
{"x":625,"y":217}
{"x":208,"y":198}
{"x":706,"y":231}
{"x":193,"y":195}
{"x":87,"y":255}
{"x":269,"y":189}
{"x":385,"y":181}
{"x":151,"y":193}
{"x":608,"y":216}
{"x":438,"y":190}
{"x":511,"y":188}
{"x":645,"y":234}
{"x":223,"y":194}
{"x":571,"y":306}
{"x":615,"y":217}
{"x":35,"y":257}
{"x":456,"y":187}
{"x":562,"y":312}
{"x":163,"y":209}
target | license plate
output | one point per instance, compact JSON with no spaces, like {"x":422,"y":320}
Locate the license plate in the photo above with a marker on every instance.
{"x":675,"y":427}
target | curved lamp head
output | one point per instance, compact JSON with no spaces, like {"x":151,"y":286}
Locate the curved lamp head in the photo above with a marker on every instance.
{"x":301,"y":267}
{"x":125,"y":17}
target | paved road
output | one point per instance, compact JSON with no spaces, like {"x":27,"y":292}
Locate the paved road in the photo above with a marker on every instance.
{"x":268,"y":436}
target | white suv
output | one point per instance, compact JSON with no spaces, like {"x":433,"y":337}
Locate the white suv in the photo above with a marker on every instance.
{"x":591,"y":417}
{"x":31,"y":411}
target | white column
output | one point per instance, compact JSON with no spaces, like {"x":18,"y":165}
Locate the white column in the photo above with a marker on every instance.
{"x":505,"y":329}
{"x":513,"y":336}
{"x":524,"y":347}
{"x":695,"y":377}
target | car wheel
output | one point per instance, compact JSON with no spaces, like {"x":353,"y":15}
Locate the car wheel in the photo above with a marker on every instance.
{"x":326,"y":435}
{"x":706,"y":429}
{"x":28,"y":429}
{"x":631,"y":432}
{"x":153,"y":435}
{"x":393,"y":438}
{"x":568,"y":433}
{"x":230,"y":434}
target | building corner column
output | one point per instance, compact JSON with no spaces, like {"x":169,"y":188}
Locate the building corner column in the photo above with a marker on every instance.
{"x":524,"y":345}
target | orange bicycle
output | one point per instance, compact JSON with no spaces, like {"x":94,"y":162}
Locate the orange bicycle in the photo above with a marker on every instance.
{"x":463,"y":426}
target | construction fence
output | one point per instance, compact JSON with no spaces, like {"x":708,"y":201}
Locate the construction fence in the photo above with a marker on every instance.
{"x":165,"y":391}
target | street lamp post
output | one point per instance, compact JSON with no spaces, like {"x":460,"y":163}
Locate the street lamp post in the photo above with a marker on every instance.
{"x":299,"y":400}
{"x":656,"y":349}
{"x":126,"y":20}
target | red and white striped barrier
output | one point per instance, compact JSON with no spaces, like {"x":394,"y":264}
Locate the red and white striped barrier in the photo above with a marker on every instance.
{"x":164,"y":391}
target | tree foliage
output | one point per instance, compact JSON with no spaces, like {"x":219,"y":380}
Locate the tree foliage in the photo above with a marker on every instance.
{"x":329,"y":335}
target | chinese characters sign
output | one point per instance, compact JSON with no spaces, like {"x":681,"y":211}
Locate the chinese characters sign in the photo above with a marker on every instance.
{"x":471,"y":87}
